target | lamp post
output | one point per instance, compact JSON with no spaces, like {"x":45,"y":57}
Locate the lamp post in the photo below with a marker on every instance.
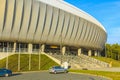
{"x":105,"y":51}
{"x":19,"y":59}
{"x":30,"y":61}
{"x":61,"y":46}
{"x":39,"y":58}
{"x":7,"y":57}
{"x":30,"y":53}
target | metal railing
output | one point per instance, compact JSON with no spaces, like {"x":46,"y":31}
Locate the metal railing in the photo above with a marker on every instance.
{"x":82,"y":60}
{"x":6,"y":52}
{"x":101,"y":63}
{"x":5,"y":49}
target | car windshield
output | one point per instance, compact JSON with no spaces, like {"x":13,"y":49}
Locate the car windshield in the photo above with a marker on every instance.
{"x":57,"y":67}
{"x":2,"y":69}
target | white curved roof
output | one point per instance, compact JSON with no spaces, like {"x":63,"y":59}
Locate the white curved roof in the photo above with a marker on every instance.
{"x":47,"y":22}
{"x":72,"y":9}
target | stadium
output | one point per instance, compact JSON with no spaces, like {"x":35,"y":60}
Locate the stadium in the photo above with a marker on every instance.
{"x":33,"y":25}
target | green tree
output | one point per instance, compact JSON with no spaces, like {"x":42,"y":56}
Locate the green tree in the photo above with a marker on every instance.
{"x":113,"y":51}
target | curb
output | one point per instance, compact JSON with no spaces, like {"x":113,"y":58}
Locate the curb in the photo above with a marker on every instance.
{"x":31,"y":71}
{"x":92,"y":75}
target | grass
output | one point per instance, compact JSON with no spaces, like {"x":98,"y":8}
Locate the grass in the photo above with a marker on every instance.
{"x":115,"y":63}
{"x":45,"y":62}
{"x":112,"y":75}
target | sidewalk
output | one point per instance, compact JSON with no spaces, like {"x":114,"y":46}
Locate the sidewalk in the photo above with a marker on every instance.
{"x":113,"y":69}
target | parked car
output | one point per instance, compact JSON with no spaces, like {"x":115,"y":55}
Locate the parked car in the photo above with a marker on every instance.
{"x":5,"y":72}
{"x":58,"y":69}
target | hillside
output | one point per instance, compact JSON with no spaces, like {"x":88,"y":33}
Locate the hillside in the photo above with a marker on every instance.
{"x":45,"y":62}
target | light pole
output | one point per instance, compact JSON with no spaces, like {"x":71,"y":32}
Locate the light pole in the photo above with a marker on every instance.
{"x":30,"y":52}
{"x":19,"y":59}
{"x":105,"y":51}
{"x":61,"y":46}
{"x":30,"y":61}
{"x":39,"y":58}
{"x":7,"y":57}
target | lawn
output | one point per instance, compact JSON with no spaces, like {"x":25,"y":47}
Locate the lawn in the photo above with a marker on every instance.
{"x":45,"y":62}
{"x":112,"y":75}
{"x":115,"y":63}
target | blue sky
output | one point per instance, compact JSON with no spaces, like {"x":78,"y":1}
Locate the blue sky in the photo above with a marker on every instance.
{"x":105,"y":11}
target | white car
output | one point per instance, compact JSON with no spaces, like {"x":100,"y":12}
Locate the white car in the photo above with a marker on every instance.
{"x":57,"y":69}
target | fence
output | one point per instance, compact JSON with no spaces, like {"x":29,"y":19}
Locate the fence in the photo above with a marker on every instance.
{"x":6,"y":52}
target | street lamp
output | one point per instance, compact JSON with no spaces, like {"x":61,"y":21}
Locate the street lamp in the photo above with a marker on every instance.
{"x":7,"y":57}
{"x":61,"y":46}
{"x":105,"y":51}
{"x":39,"y":58}
{"x":19,"y":59}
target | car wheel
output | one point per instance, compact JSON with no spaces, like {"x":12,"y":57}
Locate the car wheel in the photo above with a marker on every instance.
{"x":66,"y":71}
{"x":6,"y":75}
{"x":55,"y":72}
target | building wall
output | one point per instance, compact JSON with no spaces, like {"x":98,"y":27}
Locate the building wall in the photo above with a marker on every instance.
{"x":45,"y":22}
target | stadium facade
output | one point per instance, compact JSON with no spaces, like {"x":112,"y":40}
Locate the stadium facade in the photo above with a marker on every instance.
{"x":36,"y":24}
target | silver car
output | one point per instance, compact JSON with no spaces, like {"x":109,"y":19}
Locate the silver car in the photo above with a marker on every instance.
{"x":57,"y":69}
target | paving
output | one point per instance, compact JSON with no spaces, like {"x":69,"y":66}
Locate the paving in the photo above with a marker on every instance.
{"x":112,"y":69}
{"x":48,"y":76}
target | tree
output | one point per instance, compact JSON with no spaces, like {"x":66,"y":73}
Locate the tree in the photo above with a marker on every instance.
{"x":113,"y":51}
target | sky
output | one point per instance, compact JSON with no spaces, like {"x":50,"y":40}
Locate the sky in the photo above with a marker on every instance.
{"x":107,"y":12}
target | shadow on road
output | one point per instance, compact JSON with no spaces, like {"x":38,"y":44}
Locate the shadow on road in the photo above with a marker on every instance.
{"x":16,"y":74}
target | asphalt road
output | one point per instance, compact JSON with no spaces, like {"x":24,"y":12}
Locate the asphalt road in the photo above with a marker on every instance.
{"x":47,"y":76}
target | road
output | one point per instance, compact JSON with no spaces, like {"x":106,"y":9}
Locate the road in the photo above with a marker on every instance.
{"x":47,"y":76}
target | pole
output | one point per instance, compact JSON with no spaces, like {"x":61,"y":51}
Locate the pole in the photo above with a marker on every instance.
{"x":30,"y":52}
{"x":39,"y":59}
{"x":61,"y":47}
{"x":19,"y":59}
{"x":30,"y":61}
{"x":105,"y":51}
{"x":7,"y":58}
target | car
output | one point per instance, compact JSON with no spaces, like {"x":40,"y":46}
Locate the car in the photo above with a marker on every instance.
{"x":57,"y":69}
{"x":5,"y":72}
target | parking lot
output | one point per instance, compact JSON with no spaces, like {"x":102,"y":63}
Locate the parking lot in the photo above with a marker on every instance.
{"x":47,"y":76}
